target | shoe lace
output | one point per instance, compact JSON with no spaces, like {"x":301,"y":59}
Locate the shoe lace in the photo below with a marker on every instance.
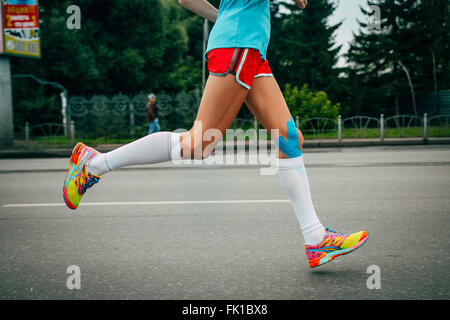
{"x":335,"y":235}
{"x":85,"y":181}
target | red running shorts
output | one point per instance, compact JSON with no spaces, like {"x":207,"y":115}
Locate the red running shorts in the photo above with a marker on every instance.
{"x":246,"y":64}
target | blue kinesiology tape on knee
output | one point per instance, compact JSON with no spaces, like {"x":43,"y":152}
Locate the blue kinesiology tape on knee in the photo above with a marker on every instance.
{"x":291,"y":147}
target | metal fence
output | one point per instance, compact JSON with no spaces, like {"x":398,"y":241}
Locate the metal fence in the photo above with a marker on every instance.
{"x":123,"y":116}
{"x":101,"y":116}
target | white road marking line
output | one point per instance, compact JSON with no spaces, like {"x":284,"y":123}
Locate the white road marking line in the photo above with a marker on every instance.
{"x":36,"y":205}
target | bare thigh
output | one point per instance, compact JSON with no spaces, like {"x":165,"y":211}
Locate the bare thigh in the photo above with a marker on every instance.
{"x":221,"y":101}
{"x":267,"y":104}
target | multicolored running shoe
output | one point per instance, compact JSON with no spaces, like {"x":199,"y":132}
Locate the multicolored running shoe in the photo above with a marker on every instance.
{"x":333,"y":245}
{"x":79,"y":179}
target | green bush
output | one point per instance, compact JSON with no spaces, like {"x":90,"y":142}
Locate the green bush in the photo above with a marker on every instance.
{"x":307,"y":104}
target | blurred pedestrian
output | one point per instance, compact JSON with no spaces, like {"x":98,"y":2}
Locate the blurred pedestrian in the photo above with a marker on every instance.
{"x":152,"y":114}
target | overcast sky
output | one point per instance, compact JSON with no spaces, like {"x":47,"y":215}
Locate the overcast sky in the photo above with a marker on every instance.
{"x":348,"y":11}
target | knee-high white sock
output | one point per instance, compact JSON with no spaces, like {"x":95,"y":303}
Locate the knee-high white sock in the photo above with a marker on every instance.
{"x":154,"y":148}
{"x":294,"y":180}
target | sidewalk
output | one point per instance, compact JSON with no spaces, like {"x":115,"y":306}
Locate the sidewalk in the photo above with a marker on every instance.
{"x":35,"y":152}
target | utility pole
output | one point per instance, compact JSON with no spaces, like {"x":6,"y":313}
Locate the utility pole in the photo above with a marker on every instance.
{"x":11,"y":44}
{"x":205,"y":40}
{"x":6,"y":109}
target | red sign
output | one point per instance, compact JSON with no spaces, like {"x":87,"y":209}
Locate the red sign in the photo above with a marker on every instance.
{"x":20,"y":17}
{"x":2,"y":49}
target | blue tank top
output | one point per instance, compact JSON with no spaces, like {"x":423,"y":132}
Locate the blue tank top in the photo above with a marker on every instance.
{"x":242,"y":24}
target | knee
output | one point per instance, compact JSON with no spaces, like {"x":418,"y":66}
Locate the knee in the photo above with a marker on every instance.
{"x":291,"y":147}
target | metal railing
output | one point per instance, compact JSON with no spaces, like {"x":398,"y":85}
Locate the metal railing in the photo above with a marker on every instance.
{"x":124,"y":116}
{"x":317,"y":127}
{"x":357,"y":127}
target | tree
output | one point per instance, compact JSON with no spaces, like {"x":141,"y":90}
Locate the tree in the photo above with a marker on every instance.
{"x":123,"y":46}
{"x":433,"y":27}
{"x":398,"y":59}
{"x":303,"y":48}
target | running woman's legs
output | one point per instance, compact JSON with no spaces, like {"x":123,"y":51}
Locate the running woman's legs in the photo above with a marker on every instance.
{"x":322,"y":245}
{"x":267,"y":104}
{"x":221,"y":102}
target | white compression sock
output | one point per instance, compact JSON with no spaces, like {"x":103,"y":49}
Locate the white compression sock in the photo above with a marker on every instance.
{"x":295,"y":181}
{"x":154,"y":148}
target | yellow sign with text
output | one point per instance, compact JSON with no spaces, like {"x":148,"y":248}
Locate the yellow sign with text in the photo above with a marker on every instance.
{"x":20,"y":46}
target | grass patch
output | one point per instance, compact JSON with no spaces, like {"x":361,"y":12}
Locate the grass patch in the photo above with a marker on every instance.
{"x":60,"y":141}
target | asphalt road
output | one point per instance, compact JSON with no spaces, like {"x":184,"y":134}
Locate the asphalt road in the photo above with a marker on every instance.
{"x":133,"y":239}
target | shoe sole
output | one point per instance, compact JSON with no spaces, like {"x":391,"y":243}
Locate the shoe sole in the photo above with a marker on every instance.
{"x":72,"y":165}
{"x":333,"y":255}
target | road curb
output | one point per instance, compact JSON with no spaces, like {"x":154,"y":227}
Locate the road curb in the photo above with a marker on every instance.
{"x":309,"y":144}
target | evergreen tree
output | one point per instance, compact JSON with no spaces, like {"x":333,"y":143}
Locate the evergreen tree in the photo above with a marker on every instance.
{"x":397,"y":61}
{"x":432,"y":27}
{"x":303,"y":48}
